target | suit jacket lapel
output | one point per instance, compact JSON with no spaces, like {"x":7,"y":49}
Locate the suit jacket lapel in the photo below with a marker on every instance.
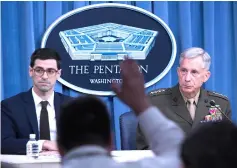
{"x":31,"y":112}
{"x":202,"y":108}
{"x":57,"y":105}
{"x":179,"y":106}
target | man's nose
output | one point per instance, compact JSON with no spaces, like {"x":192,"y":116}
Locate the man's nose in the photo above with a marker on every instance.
{"x":45,"y":75}
{"x":188,"y":77}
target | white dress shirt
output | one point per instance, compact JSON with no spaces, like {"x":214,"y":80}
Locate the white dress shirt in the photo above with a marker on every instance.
{"x":162,"y":134}
{"x":51,"y":116}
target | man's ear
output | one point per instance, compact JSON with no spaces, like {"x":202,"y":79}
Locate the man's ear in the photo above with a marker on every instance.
{"x":207,"y":75}
{"x":30,"y":71}
{"x":59,"y":73}
{"x":178,"y":70}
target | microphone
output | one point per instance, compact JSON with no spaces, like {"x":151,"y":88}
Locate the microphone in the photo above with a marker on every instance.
{"x":213,"y":103}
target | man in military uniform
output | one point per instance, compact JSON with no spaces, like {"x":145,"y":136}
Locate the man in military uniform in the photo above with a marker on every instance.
{"x":187,"y":103}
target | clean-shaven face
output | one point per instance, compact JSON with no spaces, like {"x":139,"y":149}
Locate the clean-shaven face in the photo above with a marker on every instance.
{"x":45,"y":82}
{"x":192,"y":75}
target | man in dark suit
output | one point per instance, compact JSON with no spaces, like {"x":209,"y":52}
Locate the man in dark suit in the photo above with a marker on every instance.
{"x":187,"y":103}
{"x":35,"y":111}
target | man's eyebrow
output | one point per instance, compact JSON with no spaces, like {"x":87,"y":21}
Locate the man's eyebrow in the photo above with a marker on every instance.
{"x":43,"y":68}
{"x":193,"y":69}
{"x":39,"y":67}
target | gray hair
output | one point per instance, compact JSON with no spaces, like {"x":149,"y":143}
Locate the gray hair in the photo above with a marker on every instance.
{"x":196,"y":52}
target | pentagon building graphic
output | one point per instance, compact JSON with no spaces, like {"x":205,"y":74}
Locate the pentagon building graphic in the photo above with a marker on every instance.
{"x":108,"y":41}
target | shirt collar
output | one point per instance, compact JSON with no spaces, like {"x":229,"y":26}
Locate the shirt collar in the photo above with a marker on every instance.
{"x":195,"y":98}
{"x":38,"y":99}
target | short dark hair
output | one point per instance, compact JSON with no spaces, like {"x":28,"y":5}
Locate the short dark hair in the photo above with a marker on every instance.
{"x":213,"y":145}
{"x":83,"y":121}
{"x":44,"y":54}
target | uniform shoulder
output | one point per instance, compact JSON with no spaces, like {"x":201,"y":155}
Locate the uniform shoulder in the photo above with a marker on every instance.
{"x":215,"y":94}
{"x":162,"y":91}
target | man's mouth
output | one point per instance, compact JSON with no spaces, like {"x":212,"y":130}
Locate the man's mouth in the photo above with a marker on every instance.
{"x":44,"y":83}
{"x":187,"y":86}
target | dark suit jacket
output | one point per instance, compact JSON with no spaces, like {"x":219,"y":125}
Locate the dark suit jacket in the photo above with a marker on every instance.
{"x":18,"y":119}
{"x":172,"y":105}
